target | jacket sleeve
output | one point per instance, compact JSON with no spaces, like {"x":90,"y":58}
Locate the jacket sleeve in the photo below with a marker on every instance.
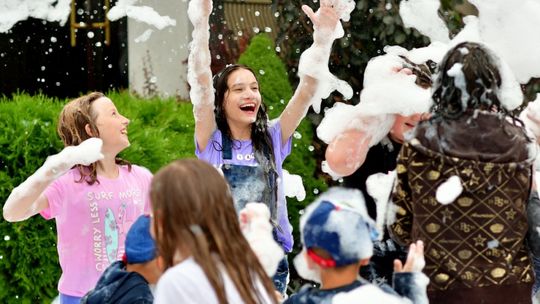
{"x":411,"y":285}
{"x":400,"y":228}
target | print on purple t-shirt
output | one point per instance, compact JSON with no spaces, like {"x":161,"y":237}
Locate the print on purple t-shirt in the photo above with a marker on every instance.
{"x":242,"y":154}
{"x":92,"y":222}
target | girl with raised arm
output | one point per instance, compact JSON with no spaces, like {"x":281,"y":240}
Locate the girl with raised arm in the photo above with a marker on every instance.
{"x":93,"y":195}
{"x":232,"y":130}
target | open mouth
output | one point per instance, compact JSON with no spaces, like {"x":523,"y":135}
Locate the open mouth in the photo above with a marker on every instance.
{"x":248,"y":107}
{"x":125,"y":132}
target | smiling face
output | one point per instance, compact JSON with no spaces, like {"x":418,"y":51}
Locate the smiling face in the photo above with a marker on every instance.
{"x":111,"y":125}
{"x":242,"y":98}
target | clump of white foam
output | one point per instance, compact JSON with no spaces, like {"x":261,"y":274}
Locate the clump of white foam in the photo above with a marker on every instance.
{"x":389,"y":92}
{"x":386,"y":92}
{"x":308,"y":273}
{"x":256,"y":227}
{"x":379,"y":187}
{"x":423,"y":15}
{"x":505,"y":26}
{"x":456,"y":72}
{"x":13,"y":11}
{"x":314,"y":60}
{"x":144,"y":14}
{"x":199,"y":74}
{"x":293,"y":186}
{"x":448,"y":191}
{"x":434,"y":52}
{"x":144,"y":36}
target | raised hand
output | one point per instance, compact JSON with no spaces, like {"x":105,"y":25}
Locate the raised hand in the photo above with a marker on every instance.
{"x":86,"y":153}
{"x":199,"y":11}
{"x":415,"y":259}
{"x":325,"y":21}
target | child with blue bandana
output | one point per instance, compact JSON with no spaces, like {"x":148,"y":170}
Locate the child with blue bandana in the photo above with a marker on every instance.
{"x":337,"y":237}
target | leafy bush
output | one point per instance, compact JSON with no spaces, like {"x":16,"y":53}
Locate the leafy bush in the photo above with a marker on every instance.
{"x":160,"y":132}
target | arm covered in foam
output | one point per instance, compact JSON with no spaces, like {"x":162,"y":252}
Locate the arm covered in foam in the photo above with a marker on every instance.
{"x":316,"y":81}
{"x":28,"y":199}
{"x":199,"y":73}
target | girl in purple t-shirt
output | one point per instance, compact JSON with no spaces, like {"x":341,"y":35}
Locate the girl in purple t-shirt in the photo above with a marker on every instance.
{"x":232,"y":130}
{"x":93,"y":195}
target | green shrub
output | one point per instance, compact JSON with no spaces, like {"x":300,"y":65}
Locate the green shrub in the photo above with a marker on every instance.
{"x":160,"y":131}
{"x":276,"y":91}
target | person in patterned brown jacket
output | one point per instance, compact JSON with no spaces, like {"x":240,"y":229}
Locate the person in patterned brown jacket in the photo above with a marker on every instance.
{"x":475,"y":244}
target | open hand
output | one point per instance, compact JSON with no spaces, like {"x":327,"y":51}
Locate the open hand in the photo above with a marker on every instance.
{"x":86,"y":153}
{"x":415,"y":259}
{"x":326,"y":17}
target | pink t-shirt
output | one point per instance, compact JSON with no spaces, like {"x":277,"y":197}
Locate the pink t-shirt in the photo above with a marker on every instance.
{"x":92,"y":222}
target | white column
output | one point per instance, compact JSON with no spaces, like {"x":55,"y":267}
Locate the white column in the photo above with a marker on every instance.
{"x":159,"y":64}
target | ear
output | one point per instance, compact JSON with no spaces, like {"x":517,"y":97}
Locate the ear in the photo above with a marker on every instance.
{"x":364,"y":262}
{"x":88,"y":130}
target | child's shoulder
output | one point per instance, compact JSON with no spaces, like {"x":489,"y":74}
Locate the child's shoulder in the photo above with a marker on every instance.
{"x":137,"y":170}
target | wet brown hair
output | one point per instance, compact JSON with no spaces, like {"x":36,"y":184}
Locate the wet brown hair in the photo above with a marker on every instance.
{"x":482,"y":82}
{"x":422,"y":71}
{"x":194,"y":216}
{"x":71,"y":127}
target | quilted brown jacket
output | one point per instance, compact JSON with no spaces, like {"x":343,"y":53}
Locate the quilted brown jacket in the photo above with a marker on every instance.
{"x":474,"y":246}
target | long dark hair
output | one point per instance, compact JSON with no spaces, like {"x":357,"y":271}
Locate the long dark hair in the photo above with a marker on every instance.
{"x":71,"y":128}
{"x":194,"y":216}
{"x":482,"y":82}
{"x":260,"y":137}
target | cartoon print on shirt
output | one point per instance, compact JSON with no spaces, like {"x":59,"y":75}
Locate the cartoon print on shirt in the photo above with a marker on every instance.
{"x":111,"y":224}
{"x":111,"y":235}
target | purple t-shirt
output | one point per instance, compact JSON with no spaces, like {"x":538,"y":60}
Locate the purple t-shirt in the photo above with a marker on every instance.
{"x":92,"y":222}
{"x":242,"y":154}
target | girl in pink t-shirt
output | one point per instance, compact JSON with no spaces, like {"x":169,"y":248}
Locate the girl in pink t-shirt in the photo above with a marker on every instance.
{"x":93,"y":195}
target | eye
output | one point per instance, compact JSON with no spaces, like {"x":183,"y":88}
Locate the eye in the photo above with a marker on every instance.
{"x":255,"y":88}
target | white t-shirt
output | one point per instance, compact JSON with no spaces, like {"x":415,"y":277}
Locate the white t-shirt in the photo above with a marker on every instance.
{"x":187,"y":283}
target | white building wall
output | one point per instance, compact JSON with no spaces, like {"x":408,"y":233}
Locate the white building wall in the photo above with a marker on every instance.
{"x":163,"y":55}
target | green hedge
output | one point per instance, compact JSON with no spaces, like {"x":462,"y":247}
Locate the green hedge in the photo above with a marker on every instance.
{"x":160,"y":131}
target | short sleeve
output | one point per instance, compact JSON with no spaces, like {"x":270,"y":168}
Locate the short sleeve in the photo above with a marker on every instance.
{"x":281,"y":151}
{"x":54,"y":194}
{"x":210,"y":153}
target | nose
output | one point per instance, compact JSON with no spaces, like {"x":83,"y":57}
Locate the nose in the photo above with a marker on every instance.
{"x":125,"y":120}
{"x":250,"y":93}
